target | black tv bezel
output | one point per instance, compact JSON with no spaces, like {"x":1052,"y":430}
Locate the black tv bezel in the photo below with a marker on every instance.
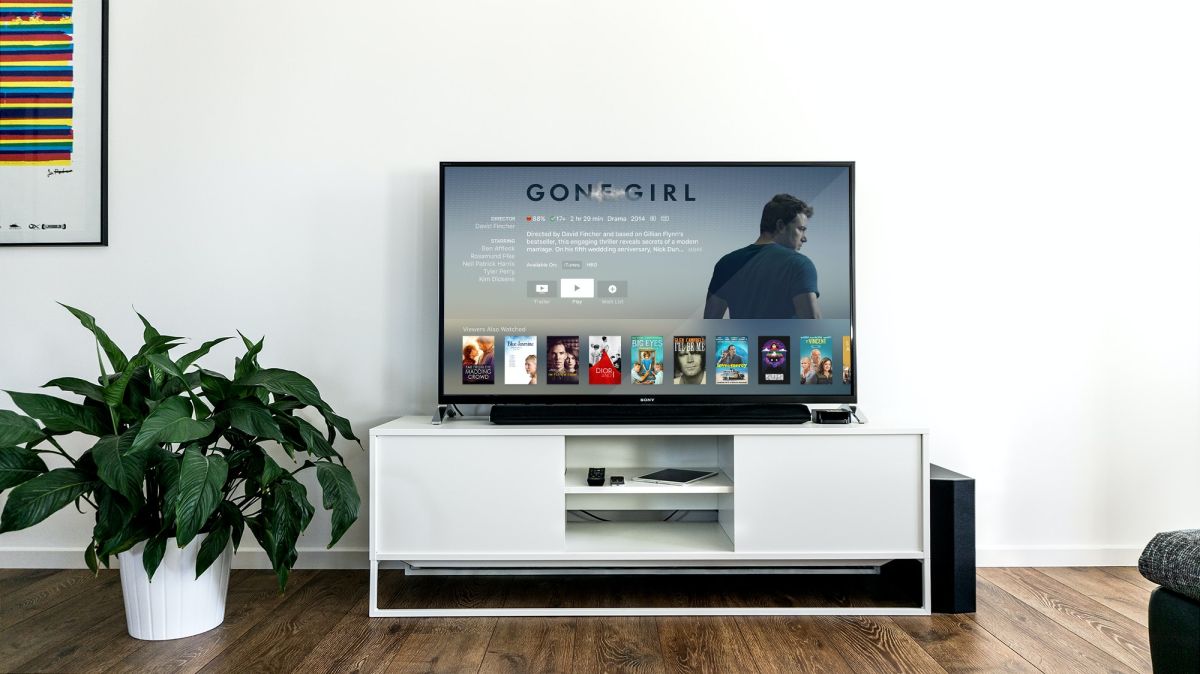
{"x":644,"y":398}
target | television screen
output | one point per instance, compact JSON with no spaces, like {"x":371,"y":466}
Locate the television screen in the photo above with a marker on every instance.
{"x":639,"y":282}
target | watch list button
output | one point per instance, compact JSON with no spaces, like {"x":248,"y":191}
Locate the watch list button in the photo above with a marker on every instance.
{"x":575,"y":288}
{"x":612,"y":288}
{"x":539,"y":288}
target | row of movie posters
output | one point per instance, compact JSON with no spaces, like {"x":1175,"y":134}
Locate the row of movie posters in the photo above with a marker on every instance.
{"x":690,"y":354}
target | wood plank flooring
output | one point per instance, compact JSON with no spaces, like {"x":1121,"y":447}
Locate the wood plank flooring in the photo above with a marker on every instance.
{"x":1029,"y":619}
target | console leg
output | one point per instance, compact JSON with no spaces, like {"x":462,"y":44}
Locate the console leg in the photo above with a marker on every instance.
{"x":374,"y":599}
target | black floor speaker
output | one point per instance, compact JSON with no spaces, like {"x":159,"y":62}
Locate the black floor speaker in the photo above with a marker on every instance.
{"x":951,"y":541}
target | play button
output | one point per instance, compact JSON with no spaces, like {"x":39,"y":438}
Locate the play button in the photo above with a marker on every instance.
{"x":576,"y":288}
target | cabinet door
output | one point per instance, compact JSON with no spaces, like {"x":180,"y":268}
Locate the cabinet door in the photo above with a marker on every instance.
{"x":829,"y":494}
{"x":479,"y":495}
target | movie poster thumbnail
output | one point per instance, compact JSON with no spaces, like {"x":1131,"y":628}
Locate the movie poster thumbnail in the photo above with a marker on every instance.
{"x":478,"y":359}
{"x":648,"y":363}
{"x":774,"y":361}
{"x":846,"y":376}
{"x":562,"y":359}
{"x":520,"y":359}
{"x":732,"y":360}
{"x":604,"y":359}
{"x":816,"y":360}
{"x":690,"y":361}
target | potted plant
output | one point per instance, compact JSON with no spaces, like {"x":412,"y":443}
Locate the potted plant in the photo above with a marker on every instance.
{"x":178,"y":470}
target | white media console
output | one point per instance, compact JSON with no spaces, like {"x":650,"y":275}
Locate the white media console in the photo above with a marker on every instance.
{"x":469,"y":496}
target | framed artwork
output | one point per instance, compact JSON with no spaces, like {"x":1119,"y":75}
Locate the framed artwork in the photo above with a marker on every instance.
{"x":53,"y":122}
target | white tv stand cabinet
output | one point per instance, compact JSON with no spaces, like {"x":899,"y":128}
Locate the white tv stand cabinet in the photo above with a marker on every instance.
{"x":469,"y":495}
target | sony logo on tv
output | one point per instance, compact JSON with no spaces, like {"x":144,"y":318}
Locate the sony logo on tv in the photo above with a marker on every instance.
{"x":608,"y":192}
{"x":645,"y":400}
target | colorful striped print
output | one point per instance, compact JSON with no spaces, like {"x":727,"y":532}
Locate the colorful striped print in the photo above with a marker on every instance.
{"x":36,"y":82}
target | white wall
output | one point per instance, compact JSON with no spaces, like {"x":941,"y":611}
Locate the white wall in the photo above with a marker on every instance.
{"x":1026,"y":212}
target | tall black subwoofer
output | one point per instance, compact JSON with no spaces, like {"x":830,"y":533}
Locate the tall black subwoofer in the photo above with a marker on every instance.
{"x":951,"y":541}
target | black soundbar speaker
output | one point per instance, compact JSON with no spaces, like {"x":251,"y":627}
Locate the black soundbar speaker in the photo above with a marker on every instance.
{"x":951,"y":541}
{"x":706,"y":413}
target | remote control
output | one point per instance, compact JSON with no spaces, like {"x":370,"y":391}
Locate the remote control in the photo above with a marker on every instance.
{"x":595,"y":477}
{"x":617,"y":480}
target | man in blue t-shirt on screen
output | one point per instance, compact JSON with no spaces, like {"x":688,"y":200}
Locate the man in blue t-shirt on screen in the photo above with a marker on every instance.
{"x":770,"y":278}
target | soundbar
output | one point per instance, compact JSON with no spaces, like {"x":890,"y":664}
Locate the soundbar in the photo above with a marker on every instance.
{"x":704,"y":413}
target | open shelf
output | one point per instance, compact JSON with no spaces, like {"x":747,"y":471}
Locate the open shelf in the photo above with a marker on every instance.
{"x":576,"y":483}
{"x":647,"y":537}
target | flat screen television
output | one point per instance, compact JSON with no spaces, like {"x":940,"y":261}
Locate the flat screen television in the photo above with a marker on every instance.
{"x":647,"y":283}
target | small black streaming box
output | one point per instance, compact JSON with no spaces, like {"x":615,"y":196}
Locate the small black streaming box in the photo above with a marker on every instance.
{"x":831,"y":416}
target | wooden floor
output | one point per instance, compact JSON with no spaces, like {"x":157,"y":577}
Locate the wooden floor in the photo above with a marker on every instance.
{"x":1047,"y":619}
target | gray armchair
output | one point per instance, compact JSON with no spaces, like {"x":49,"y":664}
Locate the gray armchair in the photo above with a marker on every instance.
{"x":1172,"y":559}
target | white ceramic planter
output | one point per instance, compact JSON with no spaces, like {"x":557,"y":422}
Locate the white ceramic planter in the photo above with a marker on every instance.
{"x":175,"y":604}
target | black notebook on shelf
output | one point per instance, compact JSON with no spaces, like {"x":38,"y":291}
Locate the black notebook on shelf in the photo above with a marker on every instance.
{"x":678,"y":476}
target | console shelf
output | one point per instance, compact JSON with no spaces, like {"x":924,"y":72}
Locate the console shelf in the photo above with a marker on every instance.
{"x":468,"y":497}
{"x":647,"y":538}
{"x":576,"y":483}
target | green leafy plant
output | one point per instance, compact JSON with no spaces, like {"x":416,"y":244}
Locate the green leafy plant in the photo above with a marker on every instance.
{"x":179,"y":451}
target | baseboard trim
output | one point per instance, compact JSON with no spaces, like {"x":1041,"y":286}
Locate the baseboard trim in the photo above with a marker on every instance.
{"x":247,"y":558}
{"x":1004,"y":555}
{"x":356,"y":558}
